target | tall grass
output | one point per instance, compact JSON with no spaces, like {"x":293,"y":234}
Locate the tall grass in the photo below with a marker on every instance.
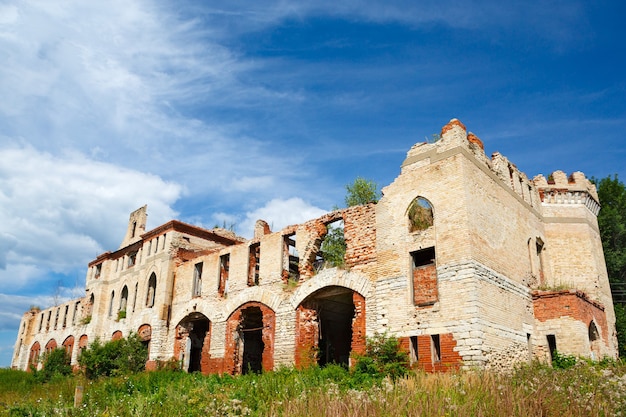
{"x":582,"y":390}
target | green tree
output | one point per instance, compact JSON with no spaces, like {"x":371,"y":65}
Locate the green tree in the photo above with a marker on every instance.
{"x":612,"y":222}
{"x":361,"y":191}
{"x":334,"y":247}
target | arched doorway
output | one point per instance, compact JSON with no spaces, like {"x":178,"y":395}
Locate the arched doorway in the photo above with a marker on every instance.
{"x":330,"y":324}
{"x":192,"y":342}
{"x":250,"y":339}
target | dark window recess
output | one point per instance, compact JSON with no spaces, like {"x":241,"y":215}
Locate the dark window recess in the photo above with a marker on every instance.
{"x":292,"y":268}
{"x":436,"y":348}
{"x":224,"y":270}
{"x":254,"y":261}
{"x":551,"y":345}
{"x":197,"y":279}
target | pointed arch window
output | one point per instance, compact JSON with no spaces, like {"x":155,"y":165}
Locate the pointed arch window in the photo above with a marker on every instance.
{"x":124,"y":299}
{"x":151,"y":290}
{"x":420,"y":214}
{"x":111,"y":303}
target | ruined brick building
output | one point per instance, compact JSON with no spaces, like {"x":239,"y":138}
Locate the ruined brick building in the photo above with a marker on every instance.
{"x":464,"y":258}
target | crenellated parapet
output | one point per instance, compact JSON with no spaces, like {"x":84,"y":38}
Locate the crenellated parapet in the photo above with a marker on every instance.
{"x":455,"y":135}
{"x":561,"y":189}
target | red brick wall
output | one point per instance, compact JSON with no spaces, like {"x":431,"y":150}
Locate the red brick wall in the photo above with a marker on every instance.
{"x":307,"y":336}
{"x":574,"y":304}
{"x":230,"y":364}
{"x":360,"y":234}
{"x":425,"y":285}
{"x":358,"y":324}
{"x":449,"y":359}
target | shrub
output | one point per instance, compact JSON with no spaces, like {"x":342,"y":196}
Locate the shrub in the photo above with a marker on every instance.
{"x":563,"y":361}
{"x":55,"y":363}
{"x":115,"y":357}
{"x":384,"y":356}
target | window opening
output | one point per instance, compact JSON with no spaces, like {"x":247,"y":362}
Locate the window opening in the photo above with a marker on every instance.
{"x":76,"y":306}
{"x":224,"y":271}
{"x":420,"y":214}
{"x":197,"y":280}
{"x":551,"y":345}
{"x":291,"y":259}
{"x":254,"y":264}
{"x":435,"y":348}
{"x":413,"y":352}
{"x":540,"y":260}
{"x":151,"y":290}
{"x":67,"y":310}
{"x":41,"y":321}
{"x":424,"y":273}
{"x":123,"y":301}
{"x":332,"y":251}
{"x":164,"y":239}
{"x":111,"y":303}
{"x":132,"y":258}
{"x":132,"y":234}
{"x":56,"y":319}
{"x":135,"y":295}
{"x":98,"y":271}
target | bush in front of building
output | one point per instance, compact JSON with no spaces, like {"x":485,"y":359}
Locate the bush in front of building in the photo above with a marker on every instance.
{"x":116,"y":357}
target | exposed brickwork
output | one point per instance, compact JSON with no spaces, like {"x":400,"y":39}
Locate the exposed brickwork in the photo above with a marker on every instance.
{"x":427,"y":360}
{"x":360,"y":234}
{"x":358,"y":324}
{"x":550,"y":305}
{"x":232,"y":357}
{"x":425,"y":285}
{"x":316,"y":232}
{"x":307,"y":335}
{"x":497,"y":235}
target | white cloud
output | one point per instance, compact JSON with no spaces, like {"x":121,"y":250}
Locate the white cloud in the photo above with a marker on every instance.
{"x":279,"y":213}
{"x":56,"y":213}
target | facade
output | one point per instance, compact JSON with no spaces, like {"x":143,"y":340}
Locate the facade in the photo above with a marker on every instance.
{"x":464,"y":259}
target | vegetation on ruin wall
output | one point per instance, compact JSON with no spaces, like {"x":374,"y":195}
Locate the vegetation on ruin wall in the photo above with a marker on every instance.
{"x":536,"y":390}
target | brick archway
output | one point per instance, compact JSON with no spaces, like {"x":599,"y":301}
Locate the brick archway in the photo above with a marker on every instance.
{"x":250,"y":339}
{"x":68,"y":345}
{"x":330,"y":326}
{"x":193,"y":342}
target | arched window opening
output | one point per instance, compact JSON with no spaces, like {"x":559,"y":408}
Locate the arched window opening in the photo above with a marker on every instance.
{"x":68,"y":345}
{"x":420,"y":214}
{"x":35,"y":350}
{"x":82,"y":344}
{"x":123,"y":303}
{"x":135,"y":295}
{"x":111,"y":303}
{"x":151,"y":290}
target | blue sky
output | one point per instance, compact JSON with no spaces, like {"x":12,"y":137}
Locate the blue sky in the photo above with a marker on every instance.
{"x":213,"y":113}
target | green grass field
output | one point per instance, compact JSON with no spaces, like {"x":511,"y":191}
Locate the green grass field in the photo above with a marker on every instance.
{"x":536,"y":390}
